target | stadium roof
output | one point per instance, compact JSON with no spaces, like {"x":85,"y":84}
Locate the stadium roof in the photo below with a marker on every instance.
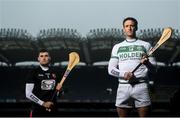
{"x":17,"y":45}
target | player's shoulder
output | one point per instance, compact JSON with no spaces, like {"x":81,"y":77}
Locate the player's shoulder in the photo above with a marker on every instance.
{"x":38,"y":68}
{"x":32,"y":73}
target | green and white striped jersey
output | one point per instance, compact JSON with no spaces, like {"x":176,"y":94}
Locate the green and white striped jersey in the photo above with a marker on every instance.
{"x":126,"y":56}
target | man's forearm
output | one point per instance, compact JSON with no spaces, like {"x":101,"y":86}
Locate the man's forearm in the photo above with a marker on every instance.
{"x":31,"y":96}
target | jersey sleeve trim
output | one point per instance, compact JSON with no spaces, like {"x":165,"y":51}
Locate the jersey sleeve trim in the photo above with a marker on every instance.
{"x":114,"y":57}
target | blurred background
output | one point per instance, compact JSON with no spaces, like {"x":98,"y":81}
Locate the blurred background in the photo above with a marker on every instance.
{"x":91,"y":28}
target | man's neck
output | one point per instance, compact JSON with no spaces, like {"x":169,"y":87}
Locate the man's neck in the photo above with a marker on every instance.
{"x":45,"y":68}
{"x":131,"y":36}
{"x":131,"y":39}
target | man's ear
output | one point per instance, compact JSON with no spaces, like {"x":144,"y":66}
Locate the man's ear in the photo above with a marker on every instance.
{"x":49,"y":58}
{"x":38,"y":59}
{"x":123,"y":30}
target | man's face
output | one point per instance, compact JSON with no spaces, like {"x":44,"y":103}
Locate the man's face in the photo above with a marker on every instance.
{"x":44,"y":58}
{"x":129,"y":29}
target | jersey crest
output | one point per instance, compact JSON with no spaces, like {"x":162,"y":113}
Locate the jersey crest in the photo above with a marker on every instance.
{"x":47,"y":84}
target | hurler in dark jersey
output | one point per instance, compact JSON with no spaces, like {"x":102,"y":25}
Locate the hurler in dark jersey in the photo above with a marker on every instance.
{"x":40,"y":86}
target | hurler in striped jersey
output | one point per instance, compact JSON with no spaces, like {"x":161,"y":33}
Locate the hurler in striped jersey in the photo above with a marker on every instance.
{"x":133,"y":88}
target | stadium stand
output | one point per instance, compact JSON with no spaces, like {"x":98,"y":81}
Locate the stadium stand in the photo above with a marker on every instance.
{"x":17,"y":45}
{"x":60,"y":42}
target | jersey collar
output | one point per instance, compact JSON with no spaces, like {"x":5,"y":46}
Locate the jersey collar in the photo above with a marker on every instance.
{"x":44,"y":68}
{"x":131,"y":40}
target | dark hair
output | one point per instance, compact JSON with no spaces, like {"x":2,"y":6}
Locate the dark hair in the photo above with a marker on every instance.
{"x":43,"y":50}
{"x":133,"y":19}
